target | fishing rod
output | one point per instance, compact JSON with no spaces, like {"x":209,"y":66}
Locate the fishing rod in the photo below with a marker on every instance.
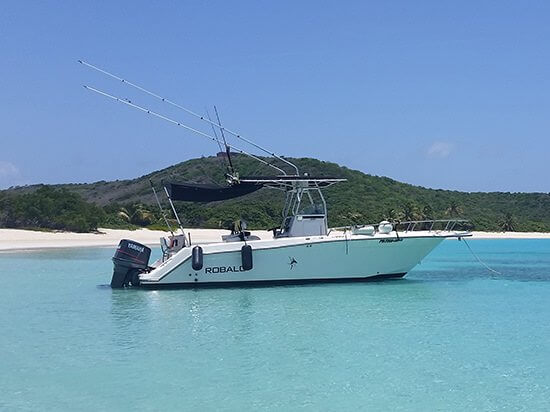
{"x":174,"y":211}
{"x":160,"y":116}
{"x":214,"y":131}
{"x":227,"y":151}
{"x":161,"y":208}
{"x":223,"y":137}
{"x":220,"y":124}
{"x":192,"y":113}
{"x":227,"y":147}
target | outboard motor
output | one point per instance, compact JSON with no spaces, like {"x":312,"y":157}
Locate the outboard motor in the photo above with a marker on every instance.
{"x":130,"y":259}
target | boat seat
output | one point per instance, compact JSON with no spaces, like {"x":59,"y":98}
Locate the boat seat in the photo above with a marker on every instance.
{"x":237,"y":237}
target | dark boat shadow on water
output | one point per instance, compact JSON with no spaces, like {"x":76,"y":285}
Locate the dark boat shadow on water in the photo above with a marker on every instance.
{"x":129,"y":294}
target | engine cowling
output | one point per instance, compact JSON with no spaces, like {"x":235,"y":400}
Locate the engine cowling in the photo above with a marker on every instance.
{"x":131,"y":258}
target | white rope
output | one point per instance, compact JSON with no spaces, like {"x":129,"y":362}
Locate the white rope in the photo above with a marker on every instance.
{"x":479,"y":260}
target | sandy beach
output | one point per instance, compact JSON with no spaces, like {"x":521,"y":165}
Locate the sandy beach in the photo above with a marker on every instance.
{"x":511,"y":235}
{"x":15,"y":239}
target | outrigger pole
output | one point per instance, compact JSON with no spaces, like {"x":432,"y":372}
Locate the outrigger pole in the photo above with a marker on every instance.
{"x":160,"y":116}
{"x":192,"y":113}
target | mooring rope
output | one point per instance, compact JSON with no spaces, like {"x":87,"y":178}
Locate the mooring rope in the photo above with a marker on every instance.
{"x":479,"y":260}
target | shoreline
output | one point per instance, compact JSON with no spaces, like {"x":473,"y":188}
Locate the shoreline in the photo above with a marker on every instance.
{"x":20,"y":240}
{"x":510,"y":235}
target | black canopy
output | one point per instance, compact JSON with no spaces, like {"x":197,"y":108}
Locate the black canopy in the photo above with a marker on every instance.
{"x":209,"y":193}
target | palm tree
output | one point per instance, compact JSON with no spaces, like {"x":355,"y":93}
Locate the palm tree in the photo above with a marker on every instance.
{"x":142,"y":216}
{"x":355,"y":217}
{"x":427,"y":212}
{"x":137,"y":214}
{"x":391,"y":215}
{"x":454,"y":209}
{"x":508,"y":223}
{"x":408,"y":211}
{"x":124,"y":214}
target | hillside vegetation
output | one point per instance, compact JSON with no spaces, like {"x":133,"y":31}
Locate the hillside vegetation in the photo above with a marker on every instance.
{"x":363,"y":198}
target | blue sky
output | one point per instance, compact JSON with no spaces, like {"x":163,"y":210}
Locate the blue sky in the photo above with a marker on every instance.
{"x":441,"y":94}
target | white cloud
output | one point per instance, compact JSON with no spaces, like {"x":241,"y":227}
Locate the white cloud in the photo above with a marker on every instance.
{"x":9,"y":174}
{"x":8,"y":169}
{"x":440,"y":150}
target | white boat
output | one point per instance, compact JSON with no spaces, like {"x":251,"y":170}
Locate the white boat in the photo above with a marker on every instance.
{"x":303,"y":249}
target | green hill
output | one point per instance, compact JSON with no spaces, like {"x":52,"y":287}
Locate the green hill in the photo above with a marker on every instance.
{"x":363,"y":198}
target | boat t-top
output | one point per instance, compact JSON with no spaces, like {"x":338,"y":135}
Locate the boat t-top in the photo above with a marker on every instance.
{"x":302,"y":249}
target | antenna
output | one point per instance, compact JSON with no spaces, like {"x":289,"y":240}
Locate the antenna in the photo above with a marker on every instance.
{"x":192,"y":113}
{"x":160,"y":116}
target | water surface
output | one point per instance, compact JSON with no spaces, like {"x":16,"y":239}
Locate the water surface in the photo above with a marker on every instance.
{"x":450,"y":336}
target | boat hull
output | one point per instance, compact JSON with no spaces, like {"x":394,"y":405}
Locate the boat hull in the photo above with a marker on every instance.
{"x":274,"y":282}
{"x":306,"y":260}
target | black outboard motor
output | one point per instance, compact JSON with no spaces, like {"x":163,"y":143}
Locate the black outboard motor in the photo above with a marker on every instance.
{"x":131,"y":259}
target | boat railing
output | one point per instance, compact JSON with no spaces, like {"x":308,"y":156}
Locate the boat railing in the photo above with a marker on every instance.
{"x":443,"y":225}
{"x":430,"y":225}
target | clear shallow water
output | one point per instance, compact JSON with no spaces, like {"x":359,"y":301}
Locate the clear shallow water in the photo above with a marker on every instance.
{"x":450,"y":336}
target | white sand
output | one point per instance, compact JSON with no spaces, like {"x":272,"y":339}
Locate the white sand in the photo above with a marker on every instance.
{"x":511,"y":235}
{"x":15,"y":239}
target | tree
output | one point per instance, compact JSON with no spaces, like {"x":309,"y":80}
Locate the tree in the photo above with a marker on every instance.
{"x":454,"y":209}
{"x":51,"y":208}
{"x":409,"y":211}
{"x":427,"y":212}
{"x":136,"y":214}
{"x":355,"y":218}
{"x":508,"y":223}
{"x":391,"y":215}
{"x":124,"y":214}
{"x":142,"y":216}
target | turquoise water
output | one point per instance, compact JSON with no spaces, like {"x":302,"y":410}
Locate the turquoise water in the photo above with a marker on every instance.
{"x":450,"y":336}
